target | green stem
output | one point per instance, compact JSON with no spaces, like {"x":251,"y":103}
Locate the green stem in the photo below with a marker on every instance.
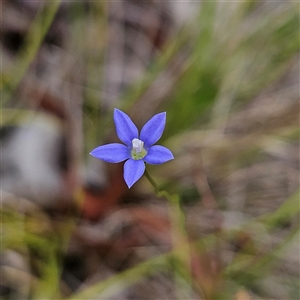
{"x":152,"y":181}
{"x":159,"y":192}
{"x":179,"y":236}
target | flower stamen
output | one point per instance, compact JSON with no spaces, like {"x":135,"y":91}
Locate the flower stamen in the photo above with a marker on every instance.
{"x":138,"y":151}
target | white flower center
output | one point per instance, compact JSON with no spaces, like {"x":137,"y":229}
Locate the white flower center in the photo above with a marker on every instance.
{"x":138,"y":151}
{"x":137,"y":145}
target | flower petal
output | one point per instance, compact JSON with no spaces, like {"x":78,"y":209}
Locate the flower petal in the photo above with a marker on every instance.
{"x":133,"y":171}
{"x":112,"y":153}
{"x":125,"y":128}
{"x":153,"y":129}
{"x":158,"y":155}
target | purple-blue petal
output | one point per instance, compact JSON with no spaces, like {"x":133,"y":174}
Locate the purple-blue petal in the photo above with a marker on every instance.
{"x":126,"y":130}
{"x":133,"y":171}
{"x":112,"y":153}
{"x":158,"y":155}
{"x":153,"y":129}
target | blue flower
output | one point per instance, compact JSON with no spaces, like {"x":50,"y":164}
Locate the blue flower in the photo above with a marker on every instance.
{"x":138,"y":149}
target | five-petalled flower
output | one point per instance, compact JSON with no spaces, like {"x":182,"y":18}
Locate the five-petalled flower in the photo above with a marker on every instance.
{"x":138,"y":149}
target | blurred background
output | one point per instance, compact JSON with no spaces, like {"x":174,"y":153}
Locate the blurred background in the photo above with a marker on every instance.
{"x":226,"y":73}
